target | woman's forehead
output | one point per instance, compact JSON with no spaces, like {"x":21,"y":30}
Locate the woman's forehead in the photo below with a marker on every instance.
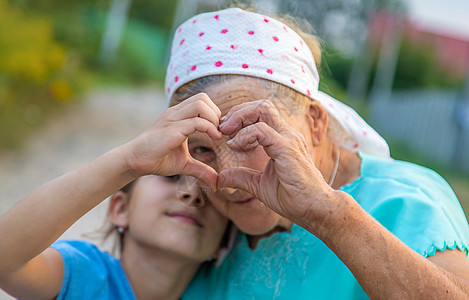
{"x":234,"y":92}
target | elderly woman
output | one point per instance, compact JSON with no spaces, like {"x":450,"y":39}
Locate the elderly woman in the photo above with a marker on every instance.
{"x":326,"y":212}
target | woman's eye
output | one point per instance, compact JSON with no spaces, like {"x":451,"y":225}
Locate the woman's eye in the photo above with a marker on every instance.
{"x":200,"y":150}
{"x":172,"y":178}
{"x":203,"y":154}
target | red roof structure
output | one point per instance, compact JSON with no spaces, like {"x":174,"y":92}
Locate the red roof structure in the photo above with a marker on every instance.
{"x":452,"y":49}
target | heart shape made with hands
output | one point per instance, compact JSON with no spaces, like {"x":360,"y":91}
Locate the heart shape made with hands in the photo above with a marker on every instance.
{"x":259,"y":123}
{"x":250,"y":125}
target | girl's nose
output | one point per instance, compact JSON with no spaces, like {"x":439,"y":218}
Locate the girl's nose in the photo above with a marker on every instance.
{"x":189,"y":192}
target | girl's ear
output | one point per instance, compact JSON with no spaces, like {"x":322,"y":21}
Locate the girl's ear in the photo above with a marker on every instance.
{"x":119,"y":209}
{"x":318,"y":120}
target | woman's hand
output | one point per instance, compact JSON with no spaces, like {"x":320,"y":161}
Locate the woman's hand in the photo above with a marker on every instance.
{"x":290,"y":184}
{"x":162,"y":148}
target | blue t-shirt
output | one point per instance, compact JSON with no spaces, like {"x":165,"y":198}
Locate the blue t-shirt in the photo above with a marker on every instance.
{"x":90,"y":273}
{"x":414,"y":203}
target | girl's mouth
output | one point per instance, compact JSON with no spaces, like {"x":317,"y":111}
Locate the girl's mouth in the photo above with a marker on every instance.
{"x":186,"y":217}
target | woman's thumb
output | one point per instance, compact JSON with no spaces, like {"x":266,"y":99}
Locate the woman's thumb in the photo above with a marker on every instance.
{"x":240,"y":178}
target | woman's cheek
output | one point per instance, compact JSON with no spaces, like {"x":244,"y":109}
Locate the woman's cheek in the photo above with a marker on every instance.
{"x":220,"y":204}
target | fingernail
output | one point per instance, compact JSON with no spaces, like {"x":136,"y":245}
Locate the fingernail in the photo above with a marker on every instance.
{"x":221,"y":125}
{"x":229,"y":142}
{"x":223,"y":118}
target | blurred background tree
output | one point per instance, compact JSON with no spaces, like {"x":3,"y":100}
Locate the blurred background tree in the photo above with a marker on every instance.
{"x":34,"y":73}
{"x":49,"y":55}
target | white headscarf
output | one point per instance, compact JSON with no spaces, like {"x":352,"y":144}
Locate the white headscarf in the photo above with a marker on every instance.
{"x":234,"y":41}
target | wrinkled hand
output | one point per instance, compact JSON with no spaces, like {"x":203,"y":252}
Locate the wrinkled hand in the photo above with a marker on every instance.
{"x":290,"y":184}
{"x":162,"y":148}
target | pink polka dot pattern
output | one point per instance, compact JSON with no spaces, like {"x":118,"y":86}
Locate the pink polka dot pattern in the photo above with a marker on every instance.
{"x":233,"y":41}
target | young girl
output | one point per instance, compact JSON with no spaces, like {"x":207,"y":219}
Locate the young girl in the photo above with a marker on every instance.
{"x":164,"y":242}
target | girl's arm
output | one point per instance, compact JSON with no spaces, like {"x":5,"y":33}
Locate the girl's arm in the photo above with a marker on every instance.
{"x":34,"y":223}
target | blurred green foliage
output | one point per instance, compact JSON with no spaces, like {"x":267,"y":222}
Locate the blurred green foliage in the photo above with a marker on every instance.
{"x":418,"y":67}
{"x":335,"y":69}
{"x":80,"y":26}
{"x":49,"y":53}
{"x":34,"y":73}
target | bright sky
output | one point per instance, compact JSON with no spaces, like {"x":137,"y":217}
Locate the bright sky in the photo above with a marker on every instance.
{"x":443,"y":16}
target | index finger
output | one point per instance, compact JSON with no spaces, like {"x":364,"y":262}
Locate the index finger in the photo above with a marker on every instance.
{"x":204,"y":97}
{"x":249,"y":113}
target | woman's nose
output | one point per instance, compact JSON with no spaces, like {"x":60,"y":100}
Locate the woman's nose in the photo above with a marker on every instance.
{"x":189,"y":192}
{"x":229,"y":158}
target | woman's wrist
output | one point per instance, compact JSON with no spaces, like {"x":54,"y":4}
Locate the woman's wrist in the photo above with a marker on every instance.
{"x":330,"y":219}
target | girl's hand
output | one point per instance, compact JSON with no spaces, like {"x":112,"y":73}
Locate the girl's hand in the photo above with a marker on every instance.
{"x":290,"y":184}
{"x":162,"y":148}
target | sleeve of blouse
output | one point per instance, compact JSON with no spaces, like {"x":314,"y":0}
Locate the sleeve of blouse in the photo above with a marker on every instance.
{"x":421,"y":209}
{"x":82,"y":266}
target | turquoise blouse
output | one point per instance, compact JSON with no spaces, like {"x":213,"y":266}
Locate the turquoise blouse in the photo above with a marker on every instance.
{"x":414,"y":203}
